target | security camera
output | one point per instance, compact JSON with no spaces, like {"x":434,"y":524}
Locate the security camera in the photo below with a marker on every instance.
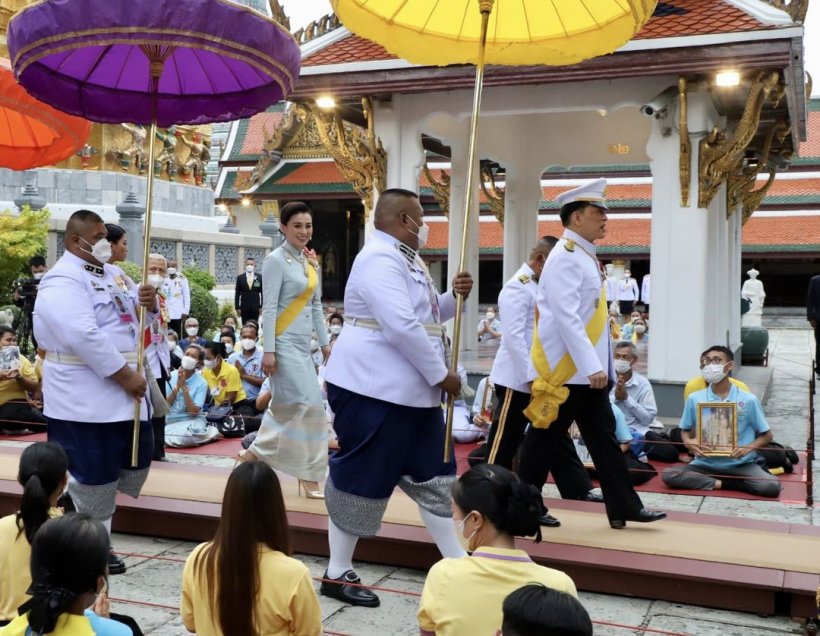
{"x":657,"y":107}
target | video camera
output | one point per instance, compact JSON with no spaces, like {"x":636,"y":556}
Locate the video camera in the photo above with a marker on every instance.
{"x":27,"y":288}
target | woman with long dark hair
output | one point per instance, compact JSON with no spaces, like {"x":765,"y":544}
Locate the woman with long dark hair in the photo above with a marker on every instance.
{"x":69,"y":562}
{"x":293,"y":436}
{"x":491,"y":506}
{"x":43,"y":476}
{"x":244,"y":582}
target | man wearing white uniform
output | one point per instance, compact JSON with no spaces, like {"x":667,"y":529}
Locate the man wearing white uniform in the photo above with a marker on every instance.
{"x":627,"y":293}
{"x":88,"y":325}
{"x":646,"y":290}
{"x":384,"y":384}
{"x":157,"y":351}
{"x":573,"y":361}
{"x":178,"y":293}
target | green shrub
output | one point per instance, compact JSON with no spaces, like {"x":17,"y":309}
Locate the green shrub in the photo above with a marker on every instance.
{"x":199,"y":277}
{"x":132,"y":270}
{"x":203,"y":307}
{"x":225,"y":310}
{"x":22,"y":236}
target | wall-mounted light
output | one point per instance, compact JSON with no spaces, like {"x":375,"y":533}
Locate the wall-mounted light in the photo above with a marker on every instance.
{"x":727,"y":78}
{"x":602,"y":112}
{"x":246,"y":202}
{"x":222,"y":207}
{"x":326,"y":102}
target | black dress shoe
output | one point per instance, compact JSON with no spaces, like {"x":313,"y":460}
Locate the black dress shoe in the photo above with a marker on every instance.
{"x":115,"y":564}
{"x":642,"y":516}
{"x":548,"y":520}
{"x":342,"y":590}
{"x":593,"y":497}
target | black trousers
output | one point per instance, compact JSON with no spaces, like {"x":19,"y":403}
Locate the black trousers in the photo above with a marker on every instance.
{"x":549,"y":449}
{"x":663,"y":450}
{"x":817,"y":348}
{"x":175,"y":324}
{"x":158,"y":423}
{"x":20,"y":415}
{"x":251,"y":313}
{"x":509,"y":424}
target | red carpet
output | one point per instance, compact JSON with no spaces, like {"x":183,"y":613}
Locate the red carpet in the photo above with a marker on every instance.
{"x":793,"y":485}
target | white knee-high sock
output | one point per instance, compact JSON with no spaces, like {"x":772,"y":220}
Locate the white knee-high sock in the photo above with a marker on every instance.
{"x":443,"y":532}
{"x":107,"y":524}
{"x":342,"y":546}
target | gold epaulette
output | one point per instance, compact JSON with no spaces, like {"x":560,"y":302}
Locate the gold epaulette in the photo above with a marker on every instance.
{"x":524,"y":279}
{"x":569,"y":245}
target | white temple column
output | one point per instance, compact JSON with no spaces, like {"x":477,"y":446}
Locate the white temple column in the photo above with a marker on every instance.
{"x":458,"y":194}
{"x":735,"y":249}
{"x":521,"y":202}
{"x":689,"y":265}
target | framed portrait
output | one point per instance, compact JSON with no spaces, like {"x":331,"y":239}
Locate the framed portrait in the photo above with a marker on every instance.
{"x":717,"y":428}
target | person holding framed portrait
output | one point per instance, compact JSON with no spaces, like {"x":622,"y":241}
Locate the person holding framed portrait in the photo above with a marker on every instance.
{"x":723,"y":426}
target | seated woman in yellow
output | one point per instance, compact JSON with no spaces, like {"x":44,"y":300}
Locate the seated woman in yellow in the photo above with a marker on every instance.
{"x":69,"y":564}
{"x":491,"y":506}
{"x":16,"y":410}
{"x":43,"y":474}
{"x":224,"y":381}
{"x":266,"y":591}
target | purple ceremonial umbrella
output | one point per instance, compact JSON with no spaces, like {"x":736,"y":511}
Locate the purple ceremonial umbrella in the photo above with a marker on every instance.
{"x":152,"y":62}
{"x":217,"y":60}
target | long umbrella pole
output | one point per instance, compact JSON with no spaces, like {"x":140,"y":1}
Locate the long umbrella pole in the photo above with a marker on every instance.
{"x":485,"y":6}
{"x":156,"y":71}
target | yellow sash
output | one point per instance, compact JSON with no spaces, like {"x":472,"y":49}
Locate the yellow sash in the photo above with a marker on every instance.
{"x":548,"y":390}
{"x":286,"y":318}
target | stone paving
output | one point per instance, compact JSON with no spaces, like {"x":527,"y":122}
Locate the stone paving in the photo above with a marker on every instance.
{"x":157,"y":581}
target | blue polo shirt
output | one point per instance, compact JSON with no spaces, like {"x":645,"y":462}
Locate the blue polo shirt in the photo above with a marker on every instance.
{"x":751,"y":423}
{"x":252,"y":366}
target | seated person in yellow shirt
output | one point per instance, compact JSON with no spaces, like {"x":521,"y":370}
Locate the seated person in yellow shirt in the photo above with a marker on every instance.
{"x":536,"y":610}
{"x":267,"y":591}
{"x":224,"y":382}
{"x":16,"y":410}
{"x":698,"y":383}
{"x":43,"y":474}
{"x":491,"y":506}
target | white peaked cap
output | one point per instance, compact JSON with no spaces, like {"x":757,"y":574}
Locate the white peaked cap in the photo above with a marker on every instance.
{"x":592,"y":192}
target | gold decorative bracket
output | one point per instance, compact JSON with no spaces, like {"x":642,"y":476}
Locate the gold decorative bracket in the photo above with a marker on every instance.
{"x":721,"y":151}
{"x":357,"y":152}
{"x":795,"y":8}
{"x":441,"y":189}
{"x":685,"y":154}
{"x":493,"y":192}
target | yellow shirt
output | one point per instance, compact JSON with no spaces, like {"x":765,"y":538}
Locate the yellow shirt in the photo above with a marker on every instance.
{"x":227,"y":381}
{"x":15,"y":575}
{"x":464,"y":596}
{"x":698,"y":384}
{"x":287,"y":601}
{"x":12,"y":389}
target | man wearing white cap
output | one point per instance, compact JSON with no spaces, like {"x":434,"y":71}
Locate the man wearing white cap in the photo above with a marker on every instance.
{"x":572,"y":360}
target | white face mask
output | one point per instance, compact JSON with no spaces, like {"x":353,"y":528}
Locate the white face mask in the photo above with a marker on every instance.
{"x":171,"y":343}
{"x":640,"y":328}
{"x":101,"y":250}
{"x":248,"y":344}
{"x":228,"y":347}
{"x":38,"y":275}
{"x":335,"y":329}
{"x":249,"y":269}
{"x":172,"y":271}
{"x":626,"y":275}
{"x":714,"y":373}
{"x":155,"y":280}
{"x":192,"y":331}
{"x":463,"y":541}
{"x":490,"y":315}
{"x":623,"y":366}
{"x":189,"y":363}
{"x":209,"y":364}
{"x":423,"y":232}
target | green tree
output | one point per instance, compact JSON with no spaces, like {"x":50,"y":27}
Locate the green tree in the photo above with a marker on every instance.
{"x":199,"y":277}
{"x":21,"y":237}
{"x":226,"y":309}
{"x":132,"y":270}
{"x":203,"y":307}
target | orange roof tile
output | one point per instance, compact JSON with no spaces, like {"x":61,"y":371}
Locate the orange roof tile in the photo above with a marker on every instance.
{"x":811,"y":147}
{"x":671,"y":19}
{"x":772,"y":231}
{"x":260,"y":125}
{"x":314,"y":172}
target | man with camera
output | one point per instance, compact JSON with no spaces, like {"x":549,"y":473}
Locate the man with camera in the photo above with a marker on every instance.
{"x":25,"y":293}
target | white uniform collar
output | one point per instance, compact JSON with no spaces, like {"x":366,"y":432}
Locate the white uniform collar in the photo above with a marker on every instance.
{"x":528,"y":270}
{"x":91,"y":268}
{"x":405,"y":250}
{"x":581,"y":241}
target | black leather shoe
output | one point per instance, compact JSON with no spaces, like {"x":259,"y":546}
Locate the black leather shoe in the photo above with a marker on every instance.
{"x":341,"y":590}
{"x":115,"y":564}
{"x":642,"y":516}
{"x":593,"y":497}
{"x":548,"y":520}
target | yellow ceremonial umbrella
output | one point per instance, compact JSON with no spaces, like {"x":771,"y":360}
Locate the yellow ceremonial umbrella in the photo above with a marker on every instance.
{"x":517,"y":32}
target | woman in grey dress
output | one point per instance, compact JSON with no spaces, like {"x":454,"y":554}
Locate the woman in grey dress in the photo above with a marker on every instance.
{"x":293,"y":437}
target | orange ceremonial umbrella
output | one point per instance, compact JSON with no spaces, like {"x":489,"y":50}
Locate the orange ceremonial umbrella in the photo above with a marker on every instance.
{"x":32,"y":133}
{"x":507,"y":32}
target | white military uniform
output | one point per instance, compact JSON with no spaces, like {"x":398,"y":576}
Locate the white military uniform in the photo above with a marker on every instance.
{"x":611,"y":289}
{"x":628,"y":290}
{"x":645,"y":289}
{"x":400,"y":362}
{"x":516,"y":302}
{"x":178,"y":293}
{"x":569,"y":291}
